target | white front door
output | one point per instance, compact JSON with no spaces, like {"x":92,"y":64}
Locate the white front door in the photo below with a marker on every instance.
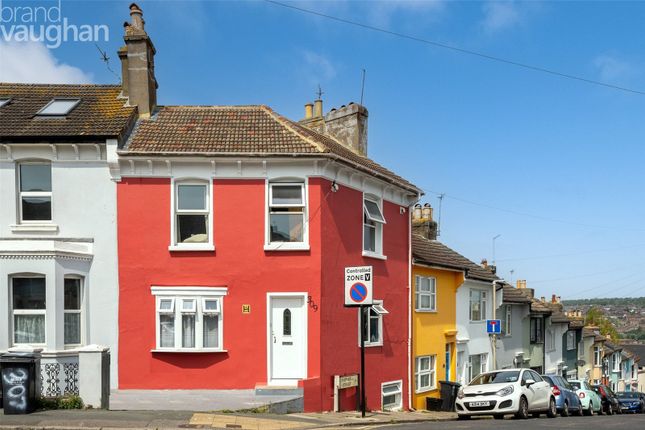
{"x":287,"y":339}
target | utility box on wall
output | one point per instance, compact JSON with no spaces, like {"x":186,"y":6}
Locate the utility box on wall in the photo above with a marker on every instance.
{"x":94,"y":376}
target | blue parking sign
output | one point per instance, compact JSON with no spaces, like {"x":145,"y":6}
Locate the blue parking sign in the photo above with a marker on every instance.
{"x":493,"y":326}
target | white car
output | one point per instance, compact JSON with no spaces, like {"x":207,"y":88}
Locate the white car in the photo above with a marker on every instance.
{"x":510,"y":391}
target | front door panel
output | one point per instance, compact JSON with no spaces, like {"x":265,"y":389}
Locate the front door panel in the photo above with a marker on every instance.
{"x":287,"y":338}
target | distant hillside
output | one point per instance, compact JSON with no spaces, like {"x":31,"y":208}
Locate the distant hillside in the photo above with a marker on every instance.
{"x":618,"y":301}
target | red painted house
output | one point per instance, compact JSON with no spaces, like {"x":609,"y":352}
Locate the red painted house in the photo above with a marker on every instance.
{"x":235,"y":225}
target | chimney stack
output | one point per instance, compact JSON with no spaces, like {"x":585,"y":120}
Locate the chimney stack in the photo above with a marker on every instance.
{"x":309,"y":110}
{"x":347,"y":124}
{"x":422,"y":222}
{"x":521,"y":283}
{"x":137,"y":64}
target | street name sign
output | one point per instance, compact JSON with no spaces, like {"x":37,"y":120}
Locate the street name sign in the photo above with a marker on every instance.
{"x":358,"y":286}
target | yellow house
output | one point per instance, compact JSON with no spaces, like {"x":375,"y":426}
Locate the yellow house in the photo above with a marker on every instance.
{"x":437,"y":272}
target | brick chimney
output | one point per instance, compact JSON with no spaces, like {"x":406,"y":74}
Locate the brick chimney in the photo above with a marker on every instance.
{"x":521,"y":283}
{"x":138,"y":80}
{"x":422,"y":222}
{"x":347,"y":124}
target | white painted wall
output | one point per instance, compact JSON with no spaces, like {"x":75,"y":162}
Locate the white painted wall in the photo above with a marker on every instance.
{"x":471,"y":336}
{"x":84,"y":242}
{"x":554,"y":356}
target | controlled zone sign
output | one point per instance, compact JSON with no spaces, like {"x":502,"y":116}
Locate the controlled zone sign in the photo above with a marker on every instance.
{"x":493,"y":326}
{"x":358,"y":286}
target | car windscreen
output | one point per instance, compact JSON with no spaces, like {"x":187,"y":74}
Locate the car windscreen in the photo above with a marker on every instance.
{"x":575,"y":385}
{"x":496,"y":377}
{"x":627,"y":395}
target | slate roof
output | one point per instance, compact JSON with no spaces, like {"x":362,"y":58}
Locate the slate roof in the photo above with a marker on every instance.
{"x":241,"y":131}
{"x":100,"y":114}
{"x":576,"y":323}
{"x":515,"y":295}
{"x":435,"y":253}
{"x":557,"y":313}
{"x":638,"y":350}
{"x":539,"y":307}
{"x":588,"y":332}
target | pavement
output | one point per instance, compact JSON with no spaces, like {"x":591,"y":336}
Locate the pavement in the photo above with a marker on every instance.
{"x":102,"y":419}
{"x":193,"y":400}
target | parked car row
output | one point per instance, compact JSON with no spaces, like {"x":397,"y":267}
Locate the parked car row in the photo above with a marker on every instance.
{"x":523,"y":392}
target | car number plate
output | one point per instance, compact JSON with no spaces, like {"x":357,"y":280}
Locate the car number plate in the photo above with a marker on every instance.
{"x":479,"y":404}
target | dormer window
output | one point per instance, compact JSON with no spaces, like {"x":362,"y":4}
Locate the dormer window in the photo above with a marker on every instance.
{"x":58,"y":107}
{"x":4,"y":101}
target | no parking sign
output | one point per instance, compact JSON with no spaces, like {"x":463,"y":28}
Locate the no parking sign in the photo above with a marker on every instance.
{"x":358,"y":286}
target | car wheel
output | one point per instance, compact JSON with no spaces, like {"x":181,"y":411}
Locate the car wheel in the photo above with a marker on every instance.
{"x":498,"y":416}
{"x":552,"y":412}
{"x":590,"y":410}
{"x":565,"y":409}
{"x":523,"y":410}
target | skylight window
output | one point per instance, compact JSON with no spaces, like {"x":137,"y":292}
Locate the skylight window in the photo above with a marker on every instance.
{"x":58,"y":107}
{"x":4,"y":102}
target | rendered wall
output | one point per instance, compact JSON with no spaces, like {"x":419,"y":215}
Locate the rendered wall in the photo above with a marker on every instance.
{"x":342,"y":227}
{"x":238,"y":263}
{"x":432,"y":330}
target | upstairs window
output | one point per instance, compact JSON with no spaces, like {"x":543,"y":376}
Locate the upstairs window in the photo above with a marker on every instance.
{"x":58,"y":107}
{"x":35,"y":191}
{"x":373,"y":221}
{"x":571,"y":340}
{"x":596,"y":355}
{"x":373,"y":323}
{"x":192,"y":213}
{"x":426,"y":294}
{"x":28,"y":296}
{"x":287,"y":213}
{"x":478,"y":301}
{"x":537,"y":332}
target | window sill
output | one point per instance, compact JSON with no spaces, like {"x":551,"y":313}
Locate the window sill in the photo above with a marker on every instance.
{"x":374,"y":255}
{"x":286,"y":246}
{"x":192,"y":247}
{"x":425,"y":390}
{"x":426,"y":311}
{"x":34,"y":228}
{"x":189,"y":351}
{"x":371,"y":345}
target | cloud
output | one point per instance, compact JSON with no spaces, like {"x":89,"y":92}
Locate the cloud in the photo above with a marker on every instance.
{"x":500,"y":15}
{"x":318,"y":67}
{"x":32,"y":62}
{"x":380,"y":13}
{"x":612,"y":69}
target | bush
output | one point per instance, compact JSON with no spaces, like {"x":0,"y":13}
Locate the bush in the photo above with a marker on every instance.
{"x":69,"y":402}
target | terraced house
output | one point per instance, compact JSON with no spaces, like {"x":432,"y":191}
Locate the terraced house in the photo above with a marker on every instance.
{"x":235,"y":226}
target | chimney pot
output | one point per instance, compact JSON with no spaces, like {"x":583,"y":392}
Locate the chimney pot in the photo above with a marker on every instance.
{"x":484,"y":263}
{"x":137,"y":16}
{"x":542,"y":299}
{"x":318,"y":108}
{"x":427,"y":212}
{"x":416,"y":214}
{"x":309,"y":110}
{"x":553,"y":299}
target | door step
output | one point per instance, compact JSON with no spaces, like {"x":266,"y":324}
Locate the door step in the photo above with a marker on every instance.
{"x":276,"y":390}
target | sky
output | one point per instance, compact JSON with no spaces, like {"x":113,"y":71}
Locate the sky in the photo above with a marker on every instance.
{"x":554,"y":166}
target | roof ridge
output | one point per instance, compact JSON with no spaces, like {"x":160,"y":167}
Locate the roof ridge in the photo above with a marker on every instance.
{"x":211,"y":106}
{"x":26,"y":84}
{"x":288,"y":125}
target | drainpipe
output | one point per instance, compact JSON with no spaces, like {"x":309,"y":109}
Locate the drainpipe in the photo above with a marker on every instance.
{"x":410,"y":376}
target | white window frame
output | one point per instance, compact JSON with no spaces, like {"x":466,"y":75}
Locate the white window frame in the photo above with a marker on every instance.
{"x":377,"y":224}
{"x":432,"y":294}
{"x":22,"y":194}
{"x":199,"y":295}
{"x":175,"y":245}
{"x":377,"y":307}
{"x":79,"y":311}
{"x":483,"y":365}
{"x":597,"y":356}
{"x":398,"y":394}
{"x":615,"y":364}
{"x":483,"y":303}
{"x":431,"y":372}
{"x":508,"y":326}
{"x":41,"y":112}
{"x":13,"y":312}
{"x":286,"y":246}
{"x":571,"y":340}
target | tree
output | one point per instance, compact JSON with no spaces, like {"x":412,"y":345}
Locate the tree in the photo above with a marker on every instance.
{"x":596,"y":317}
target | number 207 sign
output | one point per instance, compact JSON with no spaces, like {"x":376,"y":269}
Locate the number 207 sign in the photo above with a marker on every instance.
{"x":358,"y":286}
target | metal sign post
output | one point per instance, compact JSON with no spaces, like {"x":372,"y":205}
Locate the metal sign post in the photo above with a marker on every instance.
{"x":358,"y":293}
{"x":362,"y":310}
